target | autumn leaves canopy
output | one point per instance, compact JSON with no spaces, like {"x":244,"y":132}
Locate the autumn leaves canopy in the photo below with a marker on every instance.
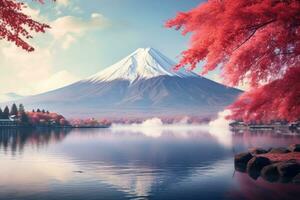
{"x":17,"y":27}
{"x":254,"y":41}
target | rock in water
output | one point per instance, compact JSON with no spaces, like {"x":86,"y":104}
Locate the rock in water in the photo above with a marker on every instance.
{"x":270,"y":173}
{"x":287,"y":170}
{"x":274,"y":165}
{"x":255,"y":165}
{"x":241,"y":160}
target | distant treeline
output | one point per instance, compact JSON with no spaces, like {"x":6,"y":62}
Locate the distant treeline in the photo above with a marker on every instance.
{"x":38,"y":117}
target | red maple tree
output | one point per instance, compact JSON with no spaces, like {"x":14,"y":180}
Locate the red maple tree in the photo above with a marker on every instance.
{"x":257,"y":41}
{"x":15,"y":26}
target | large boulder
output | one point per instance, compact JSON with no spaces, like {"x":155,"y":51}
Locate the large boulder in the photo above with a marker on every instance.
{"x":256,"y":151}
{"x":270,"y":173}
{"x":294,"y":147}
{"x":255,"y":166}
{"x":241,"y":160}
{"x":288,"y":169}
{"x":279,"y":150}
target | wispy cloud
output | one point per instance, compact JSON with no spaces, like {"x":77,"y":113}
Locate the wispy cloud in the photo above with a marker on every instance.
{"x":63,"y":2}
{"x":32,"y":72}
{"x":68,"y":29}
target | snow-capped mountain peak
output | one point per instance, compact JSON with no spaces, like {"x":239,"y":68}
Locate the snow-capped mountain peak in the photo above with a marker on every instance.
{"x":151,"y":88}
{"x":144,"y":63}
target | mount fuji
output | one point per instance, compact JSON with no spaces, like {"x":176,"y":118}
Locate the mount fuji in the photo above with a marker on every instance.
{"x":142,"y":84}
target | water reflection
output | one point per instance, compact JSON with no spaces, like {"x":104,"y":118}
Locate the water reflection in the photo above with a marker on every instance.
{"x":264,"y":139}
{"x":14,"y":140}
{"x":184,"y":163}
{"x":261,"y":189}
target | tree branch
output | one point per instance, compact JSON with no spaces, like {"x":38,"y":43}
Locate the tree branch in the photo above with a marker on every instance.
{"x":256,"y":28}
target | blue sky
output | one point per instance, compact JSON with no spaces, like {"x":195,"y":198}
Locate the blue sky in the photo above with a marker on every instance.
{"x":86,"y":37}
{"x":133,"y":24}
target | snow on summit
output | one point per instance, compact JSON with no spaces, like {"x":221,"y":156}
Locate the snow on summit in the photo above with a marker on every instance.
{"x":144,"y":63}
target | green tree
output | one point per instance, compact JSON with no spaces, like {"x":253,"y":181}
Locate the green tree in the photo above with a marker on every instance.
{"x":14,"y":110}
{"x":24,"y":118}
{"x":38,"y":110}
{"x":1,"y":113}
{"x":21,"y":108}
{"x":6,"y":113}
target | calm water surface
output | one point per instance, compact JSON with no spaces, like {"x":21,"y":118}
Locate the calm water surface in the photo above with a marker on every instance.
{"x":133,"y":164}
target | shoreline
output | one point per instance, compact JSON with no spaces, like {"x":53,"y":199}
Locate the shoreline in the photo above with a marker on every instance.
{"x":240,"y":126}
{"x":53,"y":127}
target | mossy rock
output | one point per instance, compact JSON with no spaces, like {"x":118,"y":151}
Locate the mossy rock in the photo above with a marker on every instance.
{"x":241,"y":160}
{"x":270,"y":173}
{"x":255,"y":166}
{"x":288,"y":169}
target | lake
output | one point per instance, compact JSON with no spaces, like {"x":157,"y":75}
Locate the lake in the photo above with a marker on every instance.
{"x":131,"y":163}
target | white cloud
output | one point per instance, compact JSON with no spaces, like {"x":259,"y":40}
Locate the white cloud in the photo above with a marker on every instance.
{"x":57,"y":80}
{"x":28,"y":66}
{"x":30,"y":73}
{"x":73,"y":25}
{"x":69,"y":28}
{"x":69,"y":39}
{"x":33,"y":13}
{"x":63,"y":2}
{"x":66,"y":30}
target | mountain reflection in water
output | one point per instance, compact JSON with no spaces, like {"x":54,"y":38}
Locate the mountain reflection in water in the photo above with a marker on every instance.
{"x":185,"y":163}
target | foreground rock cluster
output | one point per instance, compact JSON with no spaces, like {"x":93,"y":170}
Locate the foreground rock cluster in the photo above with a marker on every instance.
{"x":274,"y":165}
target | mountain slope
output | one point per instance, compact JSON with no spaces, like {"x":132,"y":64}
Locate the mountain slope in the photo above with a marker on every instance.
{"x":142,"y":84}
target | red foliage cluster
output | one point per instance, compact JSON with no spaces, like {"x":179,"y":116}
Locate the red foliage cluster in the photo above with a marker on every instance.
{"x":15,"y":26}
{"x":250,"y":40}
{"x":36,"y":118}
{"x":278,"y":100}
